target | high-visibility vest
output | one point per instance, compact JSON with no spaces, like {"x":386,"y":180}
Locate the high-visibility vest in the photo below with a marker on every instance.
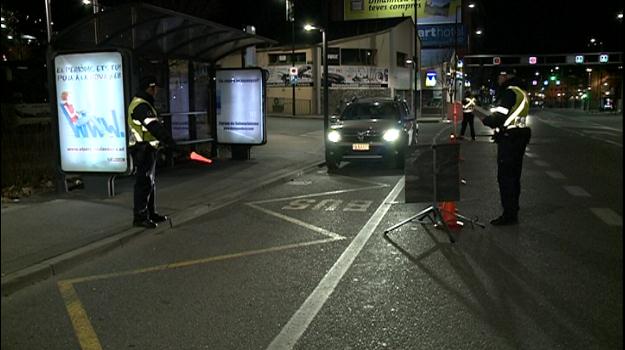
{"x":138,"y":132}
{"x":468,"y":107}
{"x":518,"y":113}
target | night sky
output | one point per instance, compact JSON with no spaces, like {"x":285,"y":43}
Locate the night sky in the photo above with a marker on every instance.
{"x":509,"y":26}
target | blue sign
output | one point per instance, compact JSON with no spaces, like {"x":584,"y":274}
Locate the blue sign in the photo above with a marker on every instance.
{"x":442,"y":35}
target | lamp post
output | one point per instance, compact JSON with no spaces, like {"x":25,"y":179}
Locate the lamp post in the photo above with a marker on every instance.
{"x":324,"y":56}
{"x":416,"y":65}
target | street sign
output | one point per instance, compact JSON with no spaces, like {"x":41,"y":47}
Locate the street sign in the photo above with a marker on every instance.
{"x":532,"y":60}
{"x":496,"y":60}
{"x":603,"y":58}
{"x":293,"y":71}
{"x":579,"y":59}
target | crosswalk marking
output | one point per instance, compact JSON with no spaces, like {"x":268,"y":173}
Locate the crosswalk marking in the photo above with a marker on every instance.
{"x":555,"y":175}
{"x":608,"y":216}
{"x":577,"y":191}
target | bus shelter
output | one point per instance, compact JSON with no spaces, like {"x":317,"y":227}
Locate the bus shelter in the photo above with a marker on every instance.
{"x":182,"y":51}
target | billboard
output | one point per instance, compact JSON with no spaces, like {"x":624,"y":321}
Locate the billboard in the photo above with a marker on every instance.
{"x":91,"y":112}
{"x":428,"y":11}
{"x":442,"y":35}
{"x":240,"y":98}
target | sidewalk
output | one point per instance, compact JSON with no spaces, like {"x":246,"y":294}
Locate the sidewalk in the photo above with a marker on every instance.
{"x":44,"y":235}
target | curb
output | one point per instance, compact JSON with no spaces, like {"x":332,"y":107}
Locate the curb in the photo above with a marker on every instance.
{"x":43,"y":270}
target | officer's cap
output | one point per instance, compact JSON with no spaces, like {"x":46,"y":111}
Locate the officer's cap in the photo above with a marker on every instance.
{"x":148,"y":81}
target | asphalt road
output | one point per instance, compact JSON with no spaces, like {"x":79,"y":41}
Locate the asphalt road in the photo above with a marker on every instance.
{"x":304,"y":264}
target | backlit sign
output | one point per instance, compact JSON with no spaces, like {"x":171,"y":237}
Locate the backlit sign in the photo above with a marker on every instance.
{"x":430,"y":80}
{"x":496,"y":60}
{"x":240,"y":106}
{"x":579,"y":59}
{"x":603,"y":58}
{"x":532,"y":60}
{"x":91,"y":112}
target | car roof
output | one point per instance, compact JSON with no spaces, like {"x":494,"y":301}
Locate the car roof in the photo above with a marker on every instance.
{"x":374,"y":99}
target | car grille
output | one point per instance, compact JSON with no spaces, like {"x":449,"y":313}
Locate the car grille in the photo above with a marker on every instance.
{"x":355,"y":136}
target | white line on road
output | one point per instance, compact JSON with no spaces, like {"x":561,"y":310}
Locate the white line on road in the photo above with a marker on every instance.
{"x":298,"y":222}
{"x":576,"y":191}
{"x":302,"y":318}
{"x":541,"y":163}
{"x":555,"y":175}
{"x":608,"y":216}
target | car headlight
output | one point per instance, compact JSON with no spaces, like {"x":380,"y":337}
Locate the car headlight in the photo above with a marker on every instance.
{"x":391,"y":135}
{"x":334,"y":136}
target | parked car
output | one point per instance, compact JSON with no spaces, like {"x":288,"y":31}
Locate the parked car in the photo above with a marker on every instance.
{"x":371,"y":128}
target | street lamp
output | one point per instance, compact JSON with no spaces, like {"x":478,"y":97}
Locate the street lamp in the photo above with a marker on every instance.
{"x":324,"y":55}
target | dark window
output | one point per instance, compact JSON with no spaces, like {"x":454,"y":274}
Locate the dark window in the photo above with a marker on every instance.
{"x":372,"y":110}
{"x":285,"y":58}
{"x":401,"y":59}
{"x":358,"y":57}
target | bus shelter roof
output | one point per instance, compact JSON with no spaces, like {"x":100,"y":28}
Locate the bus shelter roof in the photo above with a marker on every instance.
{"x":148,"y":30}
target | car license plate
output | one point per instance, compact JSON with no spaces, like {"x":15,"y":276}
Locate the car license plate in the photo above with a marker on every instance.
{"x":360,"y":146}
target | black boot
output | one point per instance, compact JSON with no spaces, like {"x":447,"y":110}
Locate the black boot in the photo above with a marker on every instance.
{"x":147,"y":223}
{"x":157,"y":218}
{"x":504,"y":220}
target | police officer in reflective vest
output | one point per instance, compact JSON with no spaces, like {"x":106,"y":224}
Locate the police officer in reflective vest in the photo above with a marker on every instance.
{"x":508,"y":119}
{"x":145,"y":136}
{"x":467,"y":114}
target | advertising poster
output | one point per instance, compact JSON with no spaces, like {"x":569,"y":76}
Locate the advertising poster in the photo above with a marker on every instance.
{"x":428,"y":11}
{"x":279,"y":75}
{"x":240,"y":106}
{"x":350,"y":77}
{"x":91,"y":112}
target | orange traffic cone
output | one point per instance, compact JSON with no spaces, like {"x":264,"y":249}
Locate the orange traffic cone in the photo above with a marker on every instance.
{"x":448,"y":211}
{"x":199,"y":158}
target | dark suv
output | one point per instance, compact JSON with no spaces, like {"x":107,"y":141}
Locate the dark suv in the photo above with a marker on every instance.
{"x":371,"y":128}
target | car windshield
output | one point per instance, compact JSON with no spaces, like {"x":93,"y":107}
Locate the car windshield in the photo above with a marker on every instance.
{"x":373,"y":110}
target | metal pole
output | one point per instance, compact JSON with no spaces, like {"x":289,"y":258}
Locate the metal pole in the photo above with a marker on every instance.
{"x":48,"y":20}
{"x":293,"y":50}
{"x":417,"y":71}
{"x":325,"y":82}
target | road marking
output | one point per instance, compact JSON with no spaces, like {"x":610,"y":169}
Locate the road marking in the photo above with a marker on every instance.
{"x":87,"y":338}
{"x":189,"y":263}
{"x":298,"y":222}
{"x":299,"y":322}
{"x":556,"y":174}
{"x":576,"y":191}
{"x":317,"y":194}
{"x":608,"y":216}
{"x":541,"y":163}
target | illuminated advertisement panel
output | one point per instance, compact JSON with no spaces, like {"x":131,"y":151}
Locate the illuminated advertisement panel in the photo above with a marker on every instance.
{"x":91,"y":112}
{"x":428,"y":11}
{"x":240,"y":99}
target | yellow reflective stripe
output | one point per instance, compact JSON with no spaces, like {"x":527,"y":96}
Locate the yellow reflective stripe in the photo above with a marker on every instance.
{"x":520,"y":108}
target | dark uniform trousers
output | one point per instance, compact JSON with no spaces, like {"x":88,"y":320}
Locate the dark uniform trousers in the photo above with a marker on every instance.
{"x":144,"y":158}
{"x":467,"y":118}
{"x":510,"y":150}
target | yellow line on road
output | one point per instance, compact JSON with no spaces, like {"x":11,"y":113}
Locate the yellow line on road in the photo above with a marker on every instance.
{"x":82,"y":326}
{"x":189,"y":263}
